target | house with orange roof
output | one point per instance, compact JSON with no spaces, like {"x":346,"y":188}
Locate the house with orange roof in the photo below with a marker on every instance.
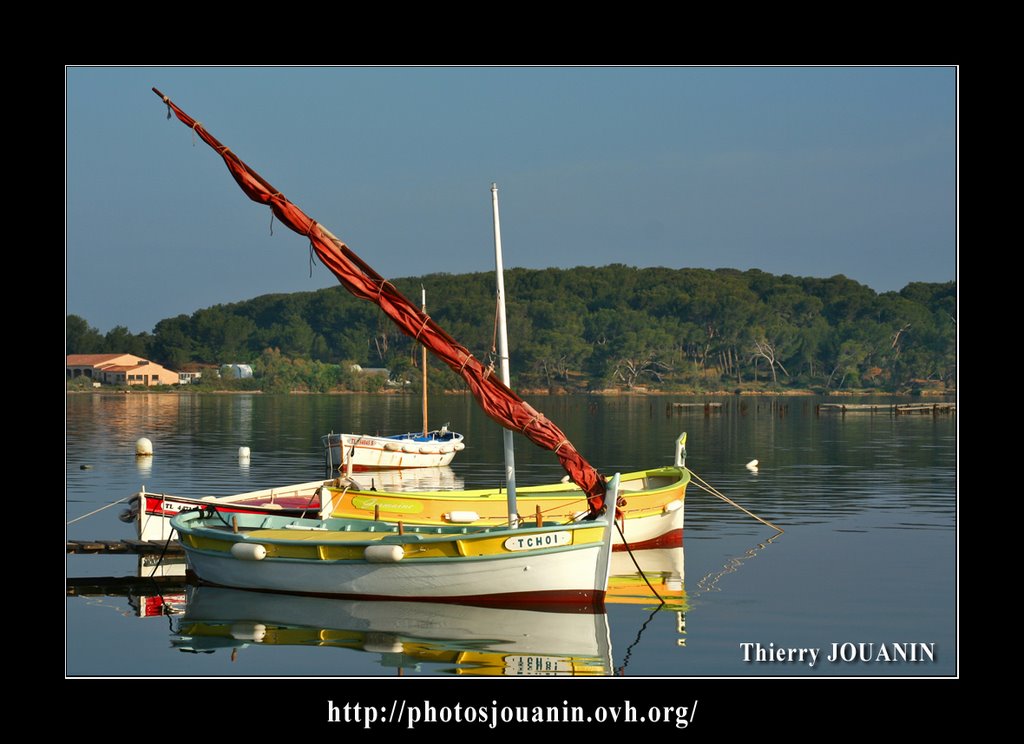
{"x":119,"y":369}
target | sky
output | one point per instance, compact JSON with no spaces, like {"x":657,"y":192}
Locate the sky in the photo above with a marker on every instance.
{"x":793,"y":170}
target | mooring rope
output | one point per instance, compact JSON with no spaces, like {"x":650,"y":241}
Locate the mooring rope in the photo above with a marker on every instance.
{"x":629,"y":651}
{"x":161,"y":558}
{"x":709,"y":582}
{"x":638,"y":569}
{"x":701,"y":483}
{"x":97,"y":511}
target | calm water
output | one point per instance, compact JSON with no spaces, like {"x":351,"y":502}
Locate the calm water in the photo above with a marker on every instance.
{"x":868,"y":504}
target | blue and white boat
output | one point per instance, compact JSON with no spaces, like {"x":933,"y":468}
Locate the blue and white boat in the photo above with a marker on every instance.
{"x":413,"y":450}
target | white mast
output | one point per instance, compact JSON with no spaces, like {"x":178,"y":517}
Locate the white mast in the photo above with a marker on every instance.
{"x":424,"y":364}
{"x":510,"y":455}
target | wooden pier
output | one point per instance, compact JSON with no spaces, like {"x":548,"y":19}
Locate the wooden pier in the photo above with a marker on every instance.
{"x":707,"y":408}
{"x":122,"y":547}
{"x":120,"y":586}
{"x":892,"y":409}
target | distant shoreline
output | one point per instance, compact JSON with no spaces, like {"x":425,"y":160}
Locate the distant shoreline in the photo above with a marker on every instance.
{"x":607,"y":393}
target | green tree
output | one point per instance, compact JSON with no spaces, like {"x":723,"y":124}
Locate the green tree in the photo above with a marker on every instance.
{"x":80,"y":337}
{"x":119,"y":340}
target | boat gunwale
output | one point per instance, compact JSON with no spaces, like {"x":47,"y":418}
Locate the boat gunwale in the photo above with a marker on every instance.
{"x":304,"y":537}
{"x":334,"y":440}
{"x":236,"y":498}
{"x":548,"y":491}
{"x":561,"y":549}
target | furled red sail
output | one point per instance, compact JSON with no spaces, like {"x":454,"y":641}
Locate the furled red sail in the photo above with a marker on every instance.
{"x":497,"y":400}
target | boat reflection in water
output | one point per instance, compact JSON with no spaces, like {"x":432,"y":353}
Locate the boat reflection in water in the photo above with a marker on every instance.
{"x":475,"y":640}
{"x":158,"y":589}
{"x":462,"y":639}
{"x":657,"y":588}
{"x":663,"y":572}
{"x":160,"y":592}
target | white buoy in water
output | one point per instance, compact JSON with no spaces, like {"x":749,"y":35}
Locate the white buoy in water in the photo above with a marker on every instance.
{"x":243,"y":454}
{"x":752,"y":466}
{"x":143,"y":447}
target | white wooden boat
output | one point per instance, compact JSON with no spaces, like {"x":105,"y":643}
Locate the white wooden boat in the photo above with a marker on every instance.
{"x":434,"y":449}
{"x":551,"y":564}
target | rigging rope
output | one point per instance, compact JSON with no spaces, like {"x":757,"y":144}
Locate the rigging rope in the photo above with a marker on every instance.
{"x":704,"y":485}
{"x":638,"y":569}
{"x":97,"y":511}
{"x":629,"y":651}
{"x":161,"y":558}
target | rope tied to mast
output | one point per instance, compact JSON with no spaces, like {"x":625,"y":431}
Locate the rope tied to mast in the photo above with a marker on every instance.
{"x":426,"y":319}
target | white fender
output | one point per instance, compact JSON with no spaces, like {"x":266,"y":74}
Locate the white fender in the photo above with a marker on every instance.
{"x":384,"y":553}
{"x":249,"y":551}
{"x":382,"y":643}
{"x":671,"y":506}
{"x":249,"y":632}
{"x":461,"y":517}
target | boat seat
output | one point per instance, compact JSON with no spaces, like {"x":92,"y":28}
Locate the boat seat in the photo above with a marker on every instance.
{"x":661,"y":481}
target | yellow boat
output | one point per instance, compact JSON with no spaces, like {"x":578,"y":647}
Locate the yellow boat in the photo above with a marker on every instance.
{"x":650,"y":504}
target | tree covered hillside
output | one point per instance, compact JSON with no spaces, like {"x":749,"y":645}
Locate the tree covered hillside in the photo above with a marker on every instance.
{"x":587,"y":328}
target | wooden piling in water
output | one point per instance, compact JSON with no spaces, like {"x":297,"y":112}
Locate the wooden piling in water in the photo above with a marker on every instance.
{"x":893,"y":409}
{"x":122,"y":547}
{"x":708,"y":407}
